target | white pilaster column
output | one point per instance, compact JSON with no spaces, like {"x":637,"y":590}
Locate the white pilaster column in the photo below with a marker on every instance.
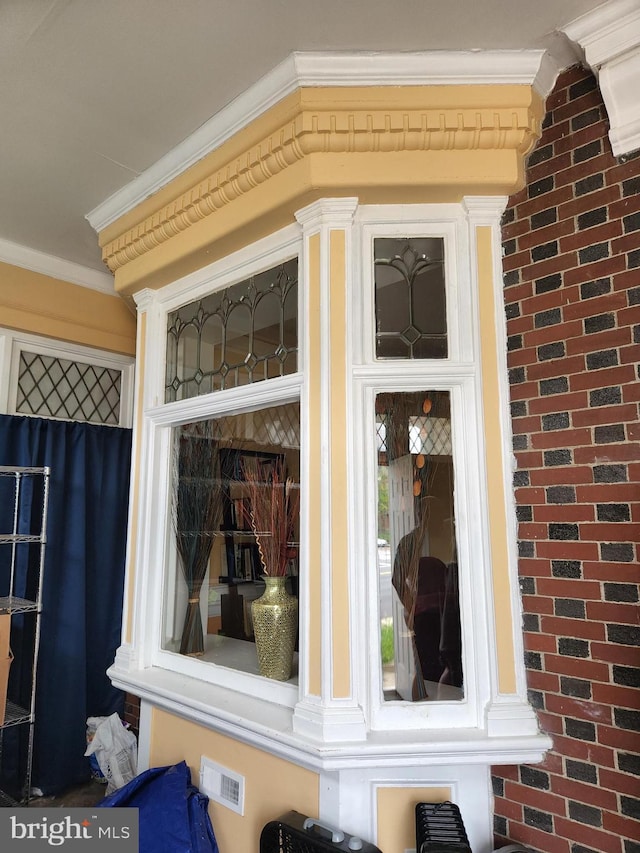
{"x":508,"y":711}
{"x":129,"y":653}
{"x":329,"y":709}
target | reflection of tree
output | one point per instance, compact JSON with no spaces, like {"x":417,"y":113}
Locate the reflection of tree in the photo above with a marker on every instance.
{"x":383,"y":503}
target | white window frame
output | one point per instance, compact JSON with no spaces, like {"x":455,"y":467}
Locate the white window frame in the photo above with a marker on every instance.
{"x":459,"y":374}
{"x":263,"y":712}
{"x":159,"y":419}
{"x":13,"y":344}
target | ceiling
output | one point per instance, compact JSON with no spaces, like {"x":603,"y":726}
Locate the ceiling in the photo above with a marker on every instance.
{"x":94,"y":92}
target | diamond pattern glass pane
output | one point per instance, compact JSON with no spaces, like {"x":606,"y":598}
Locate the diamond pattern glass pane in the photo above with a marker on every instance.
{"x":431,"y":436}
{"x":411,"y":317}
{"x":277,"y":426}
{"x":234,"y":337}
{"x":428,"y":434}
{"x":70,"y":390}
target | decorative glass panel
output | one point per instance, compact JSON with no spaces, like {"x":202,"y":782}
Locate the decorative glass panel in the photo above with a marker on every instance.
{"x":411,"y":319}
{"x":53,"y":387}
{"x":237,"y":336}
{"x":420,"y":635}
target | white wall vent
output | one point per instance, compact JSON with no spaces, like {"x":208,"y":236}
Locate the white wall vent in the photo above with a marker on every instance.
{"x":222,"y":785}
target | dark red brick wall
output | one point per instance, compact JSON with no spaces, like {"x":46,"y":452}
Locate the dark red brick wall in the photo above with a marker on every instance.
{"x":572,"y":298}
{"x":132,"y":711}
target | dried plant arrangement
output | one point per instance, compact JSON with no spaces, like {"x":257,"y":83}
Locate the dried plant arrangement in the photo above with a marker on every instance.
{"x":197,"y":511}
{"x":272,"y":511}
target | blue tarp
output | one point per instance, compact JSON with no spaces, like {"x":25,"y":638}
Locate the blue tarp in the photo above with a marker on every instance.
{"x":173,"y":813}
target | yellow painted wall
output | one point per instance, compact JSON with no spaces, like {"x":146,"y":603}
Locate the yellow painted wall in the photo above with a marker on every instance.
{"x":40,"y":305}
{"x":272,"y":786}
{"x":396,"y":815}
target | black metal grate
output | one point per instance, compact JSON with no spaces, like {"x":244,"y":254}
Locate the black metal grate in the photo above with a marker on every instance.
{"x":277,"y":838}
{"x":54,"y":387}
{"x":439,"y":829}
{"x":291,"y":834}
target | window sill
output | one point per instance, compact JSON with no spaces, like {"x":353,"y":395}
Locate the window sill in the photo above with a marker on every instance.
{"x":235,"y":655}
{"x":268,"y":725}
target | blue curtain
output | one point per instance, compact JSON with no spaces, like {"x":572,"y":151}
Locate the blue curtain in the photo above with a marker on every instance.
{"x":83,"y":584}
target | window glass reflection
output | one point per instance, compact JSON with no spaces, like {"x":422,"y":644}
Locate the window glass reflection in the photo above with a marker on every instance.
{"x":420,"y":634}
{"x":410,"y":297}
{"x":222,"y":467}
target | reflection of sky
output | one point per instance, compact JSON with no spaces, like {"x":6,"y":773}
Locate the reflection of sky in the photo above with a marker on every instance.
{"x":384,"y":556}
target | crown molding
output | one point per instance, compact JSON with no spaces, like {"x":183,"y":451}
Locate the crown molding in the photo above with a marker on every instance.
{"x":299,"y":70}
{"x":610,"y":38}
{"x":322,"y":128}
{"x":336,"y":212}
{"x":50,"y":265}
{"x":428,"y":68}
{"x":608,"y":31}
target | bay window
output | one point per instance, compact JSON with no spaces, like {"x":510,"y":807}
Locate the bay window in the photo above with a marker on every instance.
{"x":365,"y":382}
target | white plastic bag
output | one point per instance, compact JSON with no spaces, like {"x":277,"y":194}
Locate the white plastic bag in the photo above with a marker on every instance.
{"x":116,"y":750}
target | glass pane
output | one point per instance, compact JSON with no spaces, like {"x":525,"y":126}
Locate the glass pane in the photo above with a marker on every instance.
{"x":411,"y":319}
{"x":70,"y":390}
{"x":222,"y":549}
{"x":420,"y":635}
{"x":243,"y":334}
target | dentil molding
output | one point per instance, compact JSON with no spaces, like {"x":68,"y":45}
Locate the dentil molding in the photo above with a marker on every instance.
{"x":353,"y":124}
{"x":341,"y":69}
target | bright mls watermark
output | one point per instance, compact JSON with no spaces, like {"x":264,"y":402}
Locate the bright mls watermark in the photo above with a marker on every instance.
{"x":79,"y":830}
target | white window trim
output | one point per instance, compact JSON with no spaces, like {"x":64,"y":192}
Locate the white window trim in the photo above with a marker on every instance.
{"x":159,"y":418}
{"x":161,"y":421}
{"x":257,"y":711}
{"x":458,"y":374}
{"x":440,"y":220}
{"x":260,"y":256}
{"x":12,"y":344}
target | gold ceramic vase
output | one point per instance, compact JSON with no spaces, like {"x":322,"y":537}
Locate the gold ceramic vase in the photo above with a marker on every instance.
{"x":275,"y":626}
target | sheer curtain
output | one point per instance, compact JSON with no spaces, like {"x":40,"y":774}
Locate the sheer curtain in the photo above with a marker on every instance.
{"x":83,"y":585}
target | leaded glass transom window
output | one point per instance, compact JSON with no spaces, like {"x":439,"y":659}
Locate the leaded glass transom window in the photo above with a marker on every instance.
{"x":243,"y":334}
{"x":52,"y":387}
{"x":410,"y":306}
